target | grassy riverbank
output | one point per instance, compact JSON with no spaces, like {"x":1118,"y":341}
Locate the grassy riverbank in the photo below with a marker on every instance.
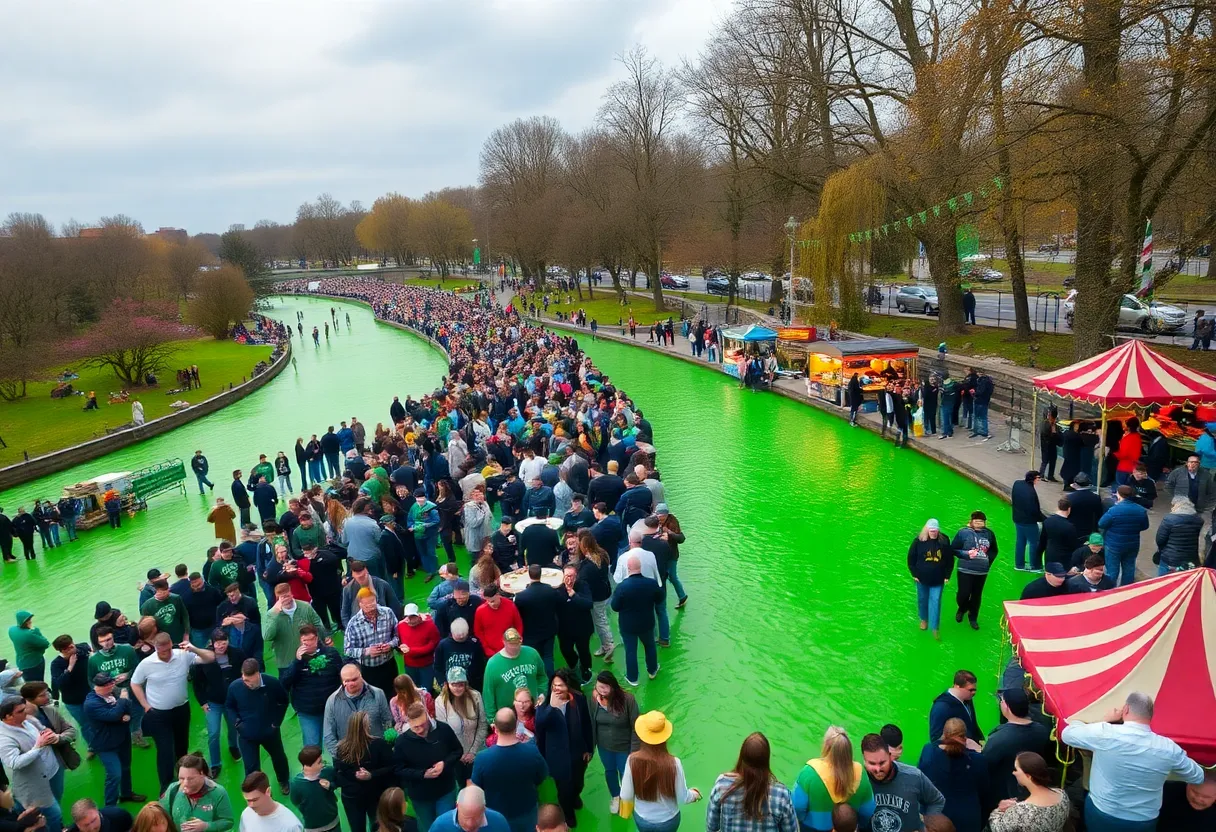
{"x":38,"y":424}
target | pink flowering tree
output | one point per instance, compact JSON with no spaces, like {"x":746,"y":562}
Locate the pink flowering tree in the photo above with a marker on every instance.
{"x":132,"y":338}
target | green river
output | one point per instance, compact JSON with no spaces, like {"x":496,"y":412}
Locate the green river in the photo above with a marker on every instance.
{"x":801,"y":614}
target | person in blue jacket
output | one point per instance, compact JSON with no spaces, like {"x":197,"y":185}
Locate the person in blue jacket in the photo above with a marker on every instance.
{"x":960,"y":774}
{"x":1121,"y":526}
{"x":346,"y":438}
{"x":258,"y":703}
{"x":109,"y":717}
{"x":957,"y":702}
{"x":635,"y":503}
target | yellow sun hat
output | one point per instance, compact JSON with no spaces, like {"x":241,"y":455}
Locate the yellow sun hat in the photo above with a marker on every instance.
{"x":653,"y":727}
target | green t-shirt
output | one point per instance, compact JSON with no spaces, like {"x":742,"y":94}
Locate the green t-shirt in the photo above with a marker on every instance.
{"x":505,"y":675}
{"x":170,"y":615}
{"x":122,"y":659}
{"x":224,"y":572}
{"x":318,"y":805}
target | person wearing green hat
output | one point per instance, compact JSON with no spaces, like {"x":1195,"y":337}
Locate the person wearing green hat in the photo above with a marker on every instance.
{"x":1092,"y":546}
{"x":29,"y":647}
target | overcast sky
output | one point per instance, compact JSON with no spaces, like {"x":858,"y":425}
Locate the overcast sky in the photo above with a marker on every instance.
{"x":202,"y":115}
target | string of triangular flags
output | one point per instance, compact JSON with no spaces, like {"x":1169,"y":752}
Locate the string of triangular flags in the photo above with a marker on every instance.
{"x":953,"y":204}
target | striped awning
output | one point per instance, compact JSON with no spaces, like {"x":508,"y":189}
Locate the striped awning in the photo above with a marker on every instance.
{"x":1130,"y":374}
{"x":1087,"y":652}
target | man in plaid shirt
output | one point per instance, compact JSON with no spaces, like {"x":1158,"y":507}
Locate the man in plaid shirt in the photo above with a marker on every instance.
{"x":371,"y":640}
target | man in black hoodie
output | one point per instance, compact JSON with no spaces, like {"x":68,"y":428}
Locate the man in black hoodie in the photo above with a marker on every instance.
{"x":461,"y":650}
{"x":1058,"y":539}
{"x":1087,"y":507}
{"x":959,"y":702}
{"x":1027,"y":514}
{"x":314,"y":674}
{"x":427,"y":758}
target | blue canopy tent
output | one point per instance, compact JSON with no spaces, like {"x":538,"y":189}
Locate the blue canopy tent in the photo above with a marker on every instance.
{"x":736,"y":340}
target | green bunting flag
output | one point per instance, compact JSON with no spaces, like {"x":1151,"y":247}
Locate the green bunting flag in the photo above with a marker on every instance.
{"x":924,"y":217}
{"x":908,"y":220}
{"x":967,"y":198}
{"x":952,"y":204}
{"x":884,"y":227}
{"x":867,"y":236}
{"x":937,"y":210}
{"x":983,"y":191}
{"x":1000,"y":184}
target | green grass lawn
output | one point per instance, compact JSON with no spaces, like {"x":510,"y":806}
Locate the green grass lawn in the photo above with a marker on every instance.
{"x":1050,"y":351}
{"x":38,"y":424}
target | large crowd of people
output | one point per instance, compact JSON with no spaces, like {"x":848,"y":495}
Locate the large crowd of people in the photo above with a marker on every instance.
{"x":477,"y":704}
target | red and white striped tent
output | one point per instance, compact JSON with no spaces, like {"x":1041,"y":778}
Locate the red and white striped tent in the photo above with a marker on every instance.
{"x":1086,"y":653}
{"x":1130,"y":375}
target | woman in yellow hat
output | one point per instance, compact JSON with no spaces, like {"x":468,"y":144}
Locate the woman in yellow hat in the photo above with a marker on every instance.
{"x":653,"y":788}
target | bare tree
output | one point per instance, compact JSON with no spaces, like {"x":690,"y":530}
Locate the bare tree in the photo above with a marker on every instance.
{"x":183,"y":262}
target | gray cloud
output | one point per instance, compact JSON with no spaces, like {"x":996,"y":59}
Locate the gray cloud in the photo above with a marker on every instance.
{"x":199,"y":116}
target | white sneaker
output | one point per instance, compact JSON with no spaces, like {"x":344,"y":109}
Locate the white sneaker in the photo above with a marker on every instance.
{"x":599,"y":652}
{"x":656,"y":672}
{"x":614,"y":805}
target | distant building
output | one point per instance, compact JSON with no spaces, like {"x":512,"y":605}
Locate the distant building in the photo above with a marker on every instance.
{"x":91,"y":232}
{"x":171,"y":235}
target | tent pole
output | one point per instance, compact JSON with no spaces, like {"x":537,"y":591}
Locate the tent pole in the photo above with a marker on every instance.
{"x":1034,"y":421}
{"x":1101,"y":451}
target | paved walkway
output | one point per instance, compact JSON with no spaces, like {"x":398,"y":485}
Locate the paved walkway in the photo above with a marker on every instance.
{"x":980,"y":461}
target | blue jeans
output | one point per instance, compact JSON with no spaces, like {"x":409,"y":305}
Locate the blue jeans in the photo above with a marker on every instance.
{"x":522,"y":823}
{"x":670,"y":825}
{"x":310,"y":728}
{"x":660,"y":611}
{"x":86,"y":729}
{"x":424,"y":677}
{"x":674,"y":579}
{"x":929,"y":604}
{"x":201,"y":636}
{"x":331,"y":460}
{"x":45,"y":534}
{"x":56,"y":783}
{"x":69,"y":523}
{"x":117,"y":765}
{"x":54,"y":817}
{"x":215,"y":714}
{"x":1027,"y":537}
{"x":202,"y":480}
{"x":631,"y":654}
{"x":314,"y":470}
{"x":427,"y":810}
{"x":979,"y":421}
{"x":1120,"y":565}
{"x":284,"y":485}
{"x":426,"y":552}
{"x":1166,"y":569}
{"x":614,"y":769}
{"x":946,"y":419}
{"x":54,"y":530}
{"x":966,"y":416}
{"x":1098,"y":821}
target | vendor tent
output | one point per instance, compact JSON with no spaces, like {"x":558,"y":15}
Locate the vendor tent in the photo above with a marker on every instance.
{"x":1130,"y":375}
{"x":1087,"y":652}
{"x":750,"y":333}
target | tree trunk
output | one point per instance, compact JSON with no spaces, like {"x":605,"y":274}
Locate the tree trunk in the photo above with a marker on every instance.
{"x":656,"y":283}
{"x":942,"y":253}
{"x":1097,"y":305}
{"x":590,"y":283}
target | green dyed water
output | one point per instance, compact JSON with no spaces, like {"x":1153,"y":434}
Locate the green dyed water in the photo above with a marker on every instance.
{"x":802,"y":613}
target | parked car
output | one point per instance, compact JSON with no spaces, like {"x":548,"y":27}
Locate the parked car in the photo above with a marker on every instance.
{"x":917,"y":299}
{"x":673,"y":281}
{"x":1049,"y":248}
{"x":754,"y":276}
{"x":718,"y":285}
{"x":987,"y":276}
{"x":1135,"y":314}
{"x":1070,"y":281}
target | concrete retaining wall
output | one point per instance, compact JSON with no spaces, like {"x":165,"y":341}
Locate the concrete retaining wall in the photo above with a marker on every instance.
{"x":40,"y":466}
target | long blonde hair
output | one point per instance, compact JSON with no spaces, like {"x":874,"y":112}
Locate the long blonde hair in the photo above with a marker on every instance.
{"x":837,"y":752}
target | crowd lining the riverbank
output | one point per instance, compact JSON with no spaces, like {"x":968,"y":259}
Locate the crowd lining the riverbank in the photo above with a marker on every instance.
{"x":524,"y":420}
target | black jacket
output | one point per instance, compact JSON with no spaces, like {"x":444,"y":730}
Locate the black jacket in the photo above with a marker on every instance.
{"x":1086,"y":512}
{"x":211,"y":680}
{"x":661,"y":550}
{"x":539,"y":544}
{"x":1039,"y":588}
{"x":505,"y":552}
{"x":1057,"y":540}
{"x":199,"y":465}
{"x":606,"y":489}
{"x":634,"y":505}
{"x":634,"y":600}
{"x":564,"y":736}
{"x":240,"y":495}
{"x":1146,"y":491}
{"x":71,"y":687}
{"x":301,"y":455}
{"x":931,"y":561}
{"x":596,"y":579}
{"x":537,"y":606}
{"x":201,"y":605}
{"x":257,"y":713}
{"x":468,"y":654}
{"x":330,"y":445}
{"x":312,"y":679}
{"x":379,"y":761}
{"x":450,"y":611}
{"x":1026,"y":507}
{"x":573,"y":612}
{"x":413,"y":755}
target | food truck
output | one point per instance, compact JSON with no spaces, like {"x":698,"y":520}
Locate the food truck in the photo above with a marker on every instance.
{"x":830,"y":365}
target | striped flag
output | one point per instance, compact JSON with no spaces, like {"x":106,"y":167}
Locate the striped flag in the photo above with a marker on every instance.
{"x":1146,"y":261}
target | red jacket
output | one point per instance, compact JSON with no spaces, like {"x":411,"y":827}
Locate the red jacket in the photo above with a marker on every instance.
{"x":1131,"y":446}
{"x":489,"y":624}
{"x":422,"y":641}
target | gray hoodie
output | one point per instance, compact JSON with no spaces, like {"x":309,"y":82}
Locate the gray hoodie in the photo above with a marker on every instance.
{"x":983,"y":541}
{"x":900,"y":801}
{"x":340,"y":707}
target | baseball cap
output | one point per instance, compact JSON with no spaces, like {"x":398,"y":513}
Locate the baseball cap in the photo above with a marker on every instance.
{"x":1081,"y":479}
{"x":153,"y":574}
{"x":103,"y":678}
{"x":662,"y":510}
{"x":1016,"y":700}
{"x":1057,"y":569}
{"x":410,"y":609}
{"x":102,"y":610}
{"x":1094,"y":539}
{"x":386,"y":519}
{"x":419,"y":492}
{"x":933,"y":525}
{"x":512,"y":635}
{"x":457,"y":674}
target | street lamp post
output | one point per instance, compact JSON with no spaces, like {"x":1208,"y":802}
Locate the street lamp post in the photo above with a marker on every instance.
{"x":791,"y":229}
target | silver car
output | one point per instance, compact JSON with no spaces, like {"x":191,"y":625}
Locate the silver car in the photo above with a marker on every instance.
{"x":917,"y":299}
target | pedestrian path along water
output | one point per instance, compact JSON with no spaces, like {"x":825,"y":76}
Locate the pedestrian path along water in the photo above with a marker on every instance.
{"x":802,"y":612}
